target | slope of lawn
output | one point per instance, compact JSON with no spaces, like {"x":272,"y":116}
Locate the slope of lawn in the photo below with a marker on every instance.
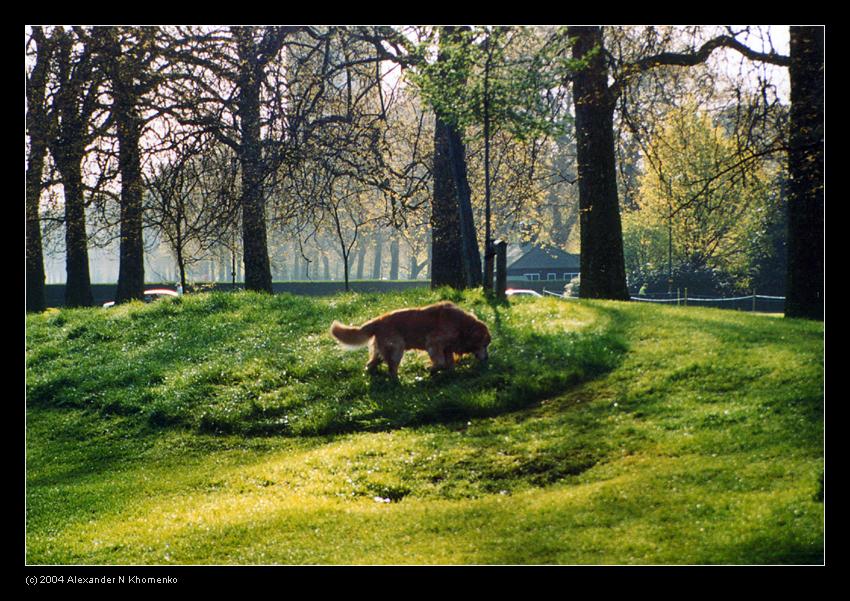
{"x":231,"y":429}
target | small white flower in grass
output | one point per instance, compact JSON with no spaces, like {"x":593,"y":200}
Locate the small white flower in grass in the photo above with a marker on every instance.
{"x":381,"y":500}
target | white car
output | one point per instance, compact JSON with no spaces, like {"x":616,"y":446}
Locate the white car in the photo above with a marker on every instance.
{"x":151,"y":294}
{"x":521,"y":292}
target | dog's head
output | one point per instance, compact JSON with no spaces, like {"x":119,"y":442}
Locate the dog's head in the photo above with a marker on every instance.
{"x":478,"y":340}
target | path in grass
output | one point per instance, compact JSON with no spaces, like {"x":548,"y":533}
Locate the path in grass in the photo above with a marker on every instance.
{"x":695,"y":438}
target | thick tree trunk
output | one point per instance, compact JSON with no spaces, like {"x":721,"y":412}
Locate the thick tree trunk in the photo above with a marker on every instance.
{"x":455,"y":258}
{"x":36,"y":124}
{"x":35,"y":300}
{"x":603,"y":273}
{"x":449,"y":266}
{"x":131,"y":268}
{"x":78,"y":291}
{"x":805,"y":284}
{"x":67,"y":141}
{"x":258,"y":274}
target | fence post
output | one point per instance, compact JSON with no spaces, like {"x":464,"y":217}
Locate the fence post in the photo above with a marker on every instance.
{"x":754,"y":300}
{"x":489,"y":253}
{"x":501,"y":269}
{"x":686,"y":297}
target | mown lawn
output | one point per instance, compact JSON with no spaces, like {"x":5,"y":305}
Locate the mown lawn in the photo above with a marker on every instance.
{"x":231,"y":429}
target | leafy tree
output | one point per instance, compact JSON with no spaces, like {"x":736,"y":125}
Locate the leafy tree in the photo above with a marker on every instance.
{"x":76,"y":83}
{"x":602,"y":263}
{"x":127,"y":55}
{"x":596,"y":98}
{"x":711,"y":202}
{"x":491,"y":80}
{"x":455,"y":258}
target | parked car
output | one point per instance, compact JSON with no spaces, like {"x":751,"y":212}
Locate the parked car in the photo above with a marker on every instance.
{"x":521,"y":292}
{"x":150,"y":295}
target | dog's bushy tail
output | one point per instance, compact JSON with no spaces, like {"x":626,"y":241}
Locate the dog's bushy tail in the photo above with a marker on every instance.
{"x":350,"y":338}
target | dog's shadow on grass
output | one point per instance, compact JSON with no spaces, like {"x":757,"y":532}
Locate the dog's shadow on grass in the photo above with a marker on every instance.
{"x":525,"y":367}
{"x":420,"y":397}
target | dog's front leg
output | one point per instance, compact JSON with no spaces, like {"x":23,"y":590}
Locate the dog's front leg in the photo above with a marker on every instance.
{"x":438,"y":357}
{"x":448,"y":359}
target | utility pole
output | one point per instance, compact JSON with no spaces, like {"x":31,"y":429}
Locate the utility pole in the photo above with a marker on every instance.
{"x":670,"y":237}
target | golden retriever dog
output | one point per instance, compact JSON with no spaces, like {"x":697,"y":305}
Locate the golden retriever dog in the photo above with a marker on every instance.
{"x":443,"y":330}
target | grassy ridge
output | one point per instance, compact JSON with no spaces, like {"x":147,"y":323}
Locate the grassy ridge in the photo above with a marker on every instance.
{"x":259,"y":364}
{"x":601,"y":433}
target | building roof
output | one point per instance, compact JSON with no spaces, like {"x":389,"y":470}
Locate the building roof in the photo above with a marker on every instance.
{"x":533,"y":257}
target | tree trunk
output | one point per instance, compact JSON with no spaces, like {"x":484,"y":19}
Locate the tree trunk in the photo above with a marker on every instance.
{"x":377,"y":262}
{"x":181,"y":262}
{"x":455,"y":258}
{"x":78,"y":291}
{"x":603,"y":273}
{"x":67,"y":140}
{"x":413,"y":267}
{"x":805,"y":285}
{"x":345,"y":256}
{"x":394,"y":256}
{"x":449,"y":265}
{"x":35,"y":300}
{"x":131,"y":268}
{"x":361,"y":258}
{"x":182,"y":267}
{"x":258,"y":274}
{"x":305,"y":267}
{"x":36,"y":124}
{"x":489,"y":250}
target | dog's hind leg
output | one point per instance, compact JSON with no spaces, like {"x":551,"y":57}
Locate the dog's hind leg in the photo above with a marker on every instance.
{"x":374,"y":357}
{"x":392,"y":350}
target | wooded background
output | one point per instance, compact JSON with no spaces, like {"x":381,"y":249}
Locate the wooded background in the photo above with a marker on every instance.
{"x":665,"y":156}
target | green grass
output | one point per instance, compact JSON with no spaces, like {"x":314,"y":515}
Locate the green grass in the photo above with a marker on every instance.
{"x":229,"y":428}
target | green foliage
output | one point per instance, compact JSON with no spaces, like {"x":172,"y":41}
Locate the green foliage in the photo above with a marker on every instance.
{"x":716,"y":203}
{"x":506,"y":72}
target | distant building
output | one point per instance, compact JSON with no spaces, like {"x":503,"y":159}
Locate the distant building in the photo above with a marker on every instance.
{"x":532,"y":263}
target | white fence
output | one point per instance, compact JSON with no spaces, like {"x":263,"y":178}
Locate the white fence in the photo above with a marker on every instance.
{"x":753,"y":302}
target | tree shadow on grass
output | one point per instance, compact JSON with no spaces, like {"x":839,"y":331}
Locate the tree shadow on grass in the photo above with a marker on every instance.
{"x":82,"y":444}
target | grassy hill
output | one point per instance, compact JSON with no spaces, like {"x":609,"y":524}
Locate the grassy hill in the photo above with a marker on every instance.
{"x":230,"y":428}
